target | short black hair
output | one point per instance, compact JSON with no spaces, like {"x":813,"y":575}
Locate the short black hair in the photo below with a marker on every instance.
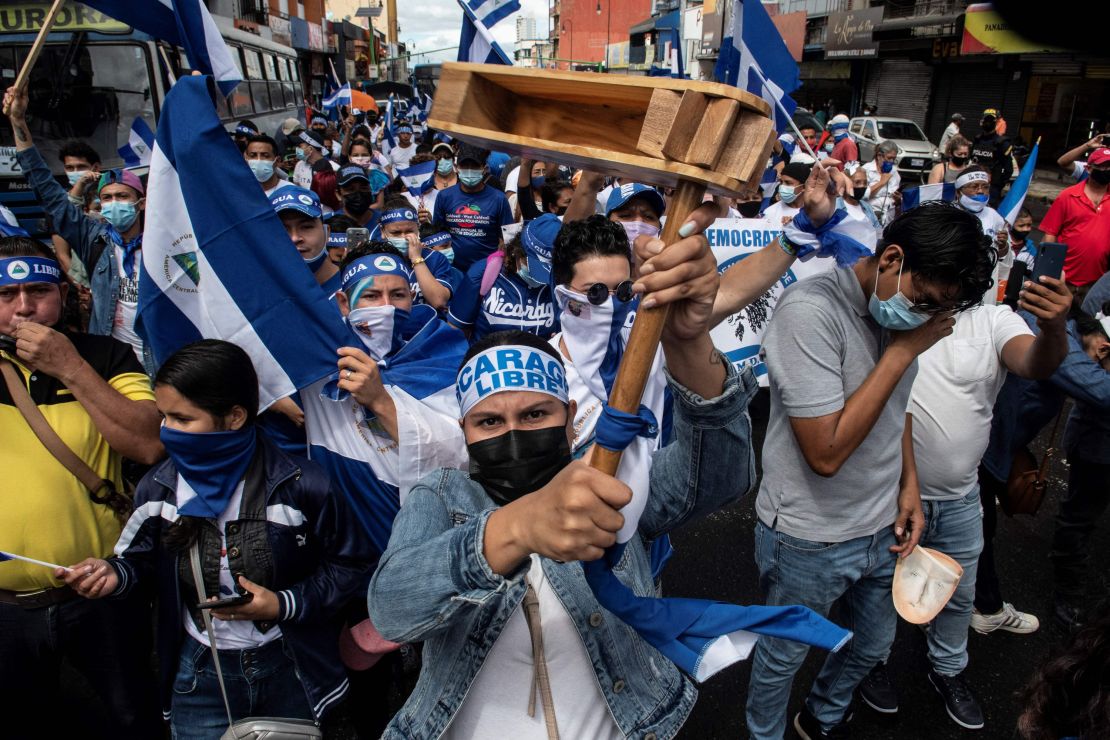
{"x":397,"y":201}
{"x":427,"y":230}
{"x":511,"y":336}
{"x":1088,"y":325}
{"x":945,"y":245}
{"x":550,"y":192}
{"x":375,"y":247}
{"x":595,"y":236}
{"x":1023,"y":212}
{"x":79,"y":149}
{"x":214,"y":375}
{"x":24,"y":246}
{"x":263,"y":139}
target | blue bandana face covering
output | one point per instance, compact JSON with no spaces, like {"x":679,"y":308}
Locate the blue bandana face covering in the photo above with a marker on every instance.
{"x":211,"y":463}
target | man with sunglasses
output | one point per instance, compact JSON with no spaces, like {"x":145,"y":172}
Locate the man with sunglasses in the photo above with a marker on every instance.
{"x":839,"y":494}
{"x":110,"y":248}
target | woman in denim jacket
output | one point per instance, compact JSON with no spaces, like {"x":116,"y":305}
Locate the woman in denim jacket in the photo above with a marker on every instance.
{"x":483,"y":570}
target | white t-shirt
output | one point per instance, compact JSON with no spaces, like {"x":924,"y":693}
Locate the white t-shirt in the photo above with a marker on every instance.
{"x":780,"y":214}
{"x":427,"y":200}
{"x":952,"y":402}
{"x":127,"y":305}
{"x":400,"y":156}
{"x":497,"y":704}
{"x":230,"y":635}
{"x":882,"y":200}
{"x":302,"y":174}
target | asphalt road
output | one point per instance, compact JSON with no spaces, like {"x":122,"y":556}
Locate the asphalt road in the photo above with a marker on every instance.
{"x":714,"y":560}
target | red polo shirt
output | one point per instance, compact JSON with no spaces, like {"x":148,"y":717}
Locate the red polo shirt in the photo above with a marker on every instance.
{"x":1085,"y":228}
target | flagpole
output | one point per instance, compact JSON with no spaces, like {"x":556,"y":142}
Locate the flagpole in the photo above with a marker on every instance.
{"x":43,"y":563}
{"x":782,"y":109}
{"x":36,"y":49}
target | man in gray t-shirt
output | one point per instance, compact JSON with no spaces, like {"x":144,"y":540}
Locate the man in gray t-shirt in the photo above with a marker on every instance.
{"x":839,"y":501}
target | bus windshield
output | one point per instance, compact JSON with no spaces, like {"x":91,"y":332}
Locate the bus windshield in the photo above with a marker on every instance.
{"x":87,"y":91}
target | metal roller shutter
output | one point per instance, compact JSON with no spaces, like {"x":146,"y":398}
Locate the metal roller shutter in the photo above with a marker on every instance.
{"x":971,"y":88}
{"x":900,"y":88}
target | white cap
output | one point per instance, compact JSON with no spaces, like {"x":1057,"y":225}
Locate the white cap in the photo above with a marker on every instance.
{"x":924,"y":581}
{"x":839,"y":119}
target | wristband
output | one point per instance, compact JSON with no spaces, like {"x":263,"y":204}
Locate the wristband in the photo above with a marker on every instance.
{"x":787,"y":246}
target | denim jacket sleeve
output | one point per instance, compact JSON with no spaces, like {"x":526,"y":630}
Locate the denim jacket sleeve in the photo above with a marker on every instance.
{"x":70,"y":222}
{"x":710,"y":463}
{"x":1081,"y":377}
{"x":433,"y":567}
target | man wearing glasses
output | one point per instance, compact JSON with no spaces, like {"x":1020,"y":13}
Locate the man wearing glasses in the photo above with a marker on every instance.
{"x":111,"y":248}
{"x":839,"y":496}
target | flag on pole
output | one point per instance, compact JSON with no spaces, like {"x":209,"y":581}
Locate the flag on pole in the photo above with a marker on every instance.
{"x":216,"y":261}
{"x":753,"y":57}
{"x":140,"y":143}
{"x":341,"y":96}
{"x":674,"y":54}
{"x":419,"y":178}
{"x":476,"y":43}
{"x":388,"y":124}
{"x":1015,"y":199}
{"x":184,"y":23}
{"x":913,"y":197}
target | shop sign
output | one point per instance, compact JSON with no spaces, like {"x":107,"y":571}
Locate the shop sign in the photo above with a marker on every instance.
{"x":849,"y":34}
{"x":987,"y":32}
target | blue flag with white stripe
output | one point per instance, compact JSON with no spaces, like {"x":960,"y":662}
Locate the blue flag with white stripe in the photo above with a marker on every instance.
{"x":184,"y":23}
{"x":913,"y":197}
{"x":1011,"y":205}
{"x":389,"y":123}
{"x":753,"y":57}
{"x":476,"y":42}
{"x":216,"y":260}
{"x":140,"y":143}
{"x":419,"y":178}
{"x":341,"y":96}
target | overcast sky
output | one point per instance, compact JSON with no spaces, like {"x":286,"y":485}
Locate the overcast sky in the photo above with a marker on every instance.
{"x":434,"y":24}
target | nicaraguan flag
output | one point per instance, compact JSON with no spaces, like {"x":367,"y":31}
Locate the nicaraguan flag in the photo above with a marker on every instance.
{"x":476,"y":43}
{"x":913,"y":197}
{"x":419,"y":178}
{"x":216,"y":261}
{"x":140,"y":143}
{"x":1015,"y":199}
{"x":184,"y":23}
{"x":342,"y":96}
{"x":389,"y":123}
{"x":754,"y":57}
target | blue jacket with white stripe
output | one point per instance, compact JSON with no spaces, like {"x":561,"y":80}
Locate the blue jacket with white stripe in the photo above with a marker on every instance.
{"x":294,"y":535}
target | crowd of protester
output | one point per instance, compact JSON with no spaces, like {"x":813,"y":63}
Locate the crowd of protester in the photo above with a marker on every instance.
{"x":394,"y":559}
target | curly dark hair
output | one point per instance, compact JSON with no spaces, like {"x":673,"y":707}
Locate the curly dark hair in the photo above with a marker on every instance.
{"x":1069,"y":695}
{"x":78,"y":149}
{"x":595,"y":236}
{"x":945,"y":245}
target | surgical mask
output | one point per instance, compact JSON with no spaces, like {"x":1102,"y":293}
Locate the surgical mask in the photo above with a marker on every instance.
{"x":897,"y":312}
{"x":829,"y":146}
{"x":449,"y":253}
{"x":120,"y":214}
{"x":317,"y":262}
{"x":524,"y":274}
{"x":886,"y":167}
{"x":974,"y":203}
{"x":75,"y":176}
{"x":445,"y":166}
{"x":374,"y":326}
{"x":356,"y":203}
{"x":519,"y":462}
{"x":1102,"y":177}
{"x":749,"y":209}
{"x":399,"y":243}
{"x":470,"y":178}
{"x":263,"y":169}
{"x":639,"y":228}
{"x":788,"y":193}
{"x":959,"y":161}
{"x":302,"y":155}
{"x":362,"y":161}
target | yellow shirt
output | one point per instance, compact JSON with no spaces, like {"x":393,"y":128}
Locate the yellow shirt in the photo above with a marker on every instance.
{"x":45,"y":512}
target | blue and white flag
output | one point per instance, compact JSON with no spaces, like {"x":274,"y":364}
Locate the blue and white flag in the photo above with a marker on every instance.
{"x":476,"y":43}
{"x":389,"y":123}
{"x":342,"y":96}
{"x":419,"y":178}
{"x":674,"y":54}
{"x":1011,"y":205}
{"x":140,"y":143}
{"x":753,"y":57}
{"x":913,"y":197}
{"x":216,"y":260}
{"x":184,"y":23}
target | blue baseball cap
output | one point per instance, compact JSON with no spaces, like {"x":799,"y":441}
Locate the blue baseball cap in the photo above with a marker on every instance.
{"x":628,"y":191}
{"x":538,"y":239}
{"x":350,"y":173}
{"x":293,"y":198}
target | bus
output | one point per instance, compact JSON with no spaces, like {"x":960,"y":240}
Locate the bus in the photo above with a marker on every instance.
{"x":95,"y":76}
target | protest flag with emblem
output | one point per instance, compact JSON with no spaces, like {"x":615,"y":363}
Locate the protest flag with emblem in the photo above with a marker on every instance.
{"x":419,"y":178}
{"x":184,"y":23}
{"x":216,"y":260}
{"x":476,"y":42}
{"x":140,"y":143}
{"x":341,"y":96}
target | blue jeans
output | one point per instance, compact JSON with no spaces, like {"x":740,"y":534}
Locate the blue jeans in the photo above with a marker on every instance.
{"x":816,"y":574}
{"x":260,"y":683}
{"x":955,"y":528}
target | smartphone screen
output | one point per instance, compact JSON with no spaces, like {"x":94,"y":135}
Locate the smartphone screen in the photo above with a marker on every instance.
{"x":357,"y":237}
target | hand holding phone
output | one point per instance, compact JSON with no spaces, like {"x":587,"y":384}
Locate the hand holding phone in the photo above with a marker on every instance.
{"x":229,"y":602}
{"x":357,"y":236}
{"x":1050,"y":261}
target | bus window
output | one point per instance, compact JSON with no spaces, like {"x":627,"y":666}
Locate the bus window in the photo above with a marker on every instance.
{"x":277,"y":95}
{"x":292,"y":88}
{"x":253,"y":66}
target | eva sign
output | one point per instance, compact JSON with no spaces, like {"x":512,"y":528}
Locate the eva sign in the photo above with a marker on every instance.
{"x":740,"y":336}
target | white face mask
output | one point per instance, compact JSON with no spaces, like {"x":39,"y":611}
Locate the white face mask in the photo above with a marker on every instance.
{"x":586,"y":329}
{"x":639,"y":228}
{"x":374,"y":326}
{"x":974,"y":203}
{"x":362,"y":161}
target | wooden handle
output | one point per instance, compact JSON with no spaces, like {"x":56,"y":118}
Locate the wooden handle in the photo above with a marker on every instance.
{"x":36,"y":49}
{"x":632,"y":376}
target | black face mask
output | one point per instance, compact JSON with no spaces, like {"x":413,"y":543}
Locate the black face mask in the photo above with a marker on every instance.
{"x":860,"y":192}
{"x":1020,"y":234}
{"x":1102,"y":177}
{"x":988,"y":126}
{"x":959,"y":161}
{"x":519,"y":462}
{"x":356,"y":203}
{"x":749,"y":209}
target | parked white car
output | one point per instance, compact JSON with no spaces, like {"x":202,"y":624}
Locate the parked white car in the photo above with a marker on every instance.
{"x":916,"y":154}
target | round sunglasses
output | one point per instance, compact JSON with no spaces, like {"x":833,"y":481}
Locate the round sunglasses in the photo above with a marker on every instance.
{"x":599,"y":292}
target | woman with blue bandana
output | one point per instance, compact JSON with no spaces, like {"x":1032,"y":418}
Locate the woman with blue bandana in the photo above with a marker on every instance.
{"x":484,"y":570}
{"x":511,"y":288}
{"x":266,"y":529}
{"x":431,"y":271}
